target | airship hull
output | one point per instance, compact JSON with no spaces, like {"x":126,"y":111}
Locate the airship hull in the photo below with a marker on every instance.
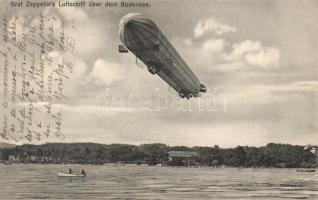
{"x":144,"y":39}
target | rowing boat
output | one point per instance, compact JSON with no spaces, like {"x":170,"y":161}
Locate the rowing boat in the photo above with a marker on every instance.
{"x":70,"y":175}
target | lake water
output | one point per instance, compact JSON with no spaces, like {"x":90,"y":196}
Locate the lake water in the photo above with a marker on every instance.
{"x":27,"y":181}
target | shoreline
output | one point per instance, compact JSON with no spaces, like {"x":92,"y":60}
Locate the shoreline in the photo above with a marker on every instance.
{"x":146,"y":165}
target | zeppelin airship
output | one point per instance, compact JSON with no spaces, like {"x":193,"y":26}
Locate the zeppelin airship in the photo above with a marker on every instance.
{"x":144,"y":39}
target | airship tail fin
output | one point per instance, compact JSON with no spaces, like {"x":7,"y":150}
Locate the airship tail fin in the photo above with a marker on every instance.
{"x":122,"y":49}
{"x":202,"y":88}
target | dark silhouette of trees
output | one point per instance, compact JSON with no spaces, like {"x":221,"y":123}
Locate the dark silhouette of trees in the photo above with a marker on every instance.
{"x":271,"y":155}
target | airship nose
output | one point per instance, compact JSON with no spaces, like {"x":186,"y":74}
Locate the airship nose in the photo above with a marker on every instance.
{"x":135,"y":21}
{"x":125,"y":21}
{"x":129,"y":17}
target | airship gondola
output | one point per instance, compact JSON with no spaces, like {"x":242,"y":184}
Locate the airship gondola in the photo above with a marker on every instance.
{"x":144,"y":39}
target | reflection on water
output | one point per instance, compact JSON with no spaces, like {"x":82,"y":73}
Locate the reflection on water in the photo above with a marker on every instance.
{"x":21,"y":181}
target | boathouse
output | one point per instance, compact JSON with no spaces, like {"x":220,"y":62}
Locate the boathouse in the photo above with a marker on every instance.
{"x":183,"y":158}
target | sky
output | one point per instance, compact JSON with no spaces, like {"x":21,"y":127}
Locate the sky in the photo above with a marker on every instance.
{"x":258,"y":60}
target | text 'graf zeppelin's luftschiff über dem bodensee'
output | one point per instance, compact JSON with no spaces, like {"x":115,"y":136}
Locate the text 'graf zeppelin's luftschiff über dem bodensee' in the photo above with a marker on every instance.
{"x":96,"y":3}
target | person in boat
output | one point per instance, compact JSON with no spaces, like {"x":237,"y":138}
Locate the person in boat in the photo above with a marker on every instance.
{"x":83,"y":172}
{"x":70,"y":171}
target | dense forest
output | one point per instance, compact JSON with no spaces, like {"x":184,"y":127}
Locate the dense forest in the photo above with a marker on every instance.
{"x":271,"y":155}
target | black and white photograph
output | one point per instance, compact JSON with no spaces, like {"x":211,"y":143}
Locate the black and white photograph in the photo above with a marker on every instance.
{"x":159,"y":99}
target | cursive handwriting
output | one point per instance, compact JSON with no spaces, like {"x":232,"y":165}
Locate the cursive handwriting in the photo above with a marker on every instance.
{"x":32,"y":80}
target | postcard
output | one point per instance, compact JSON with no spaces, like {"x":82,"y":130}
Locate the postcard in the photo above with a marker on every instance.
{"x":158,"y":99}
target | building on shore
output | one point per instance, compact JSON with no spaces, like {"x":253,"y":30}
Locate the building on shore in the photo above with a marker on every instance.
{"x":183,"y":158}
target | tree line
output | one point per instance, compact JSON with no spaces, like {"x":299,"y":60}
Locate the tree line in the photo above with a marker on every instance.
{"x":271,"y":155}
